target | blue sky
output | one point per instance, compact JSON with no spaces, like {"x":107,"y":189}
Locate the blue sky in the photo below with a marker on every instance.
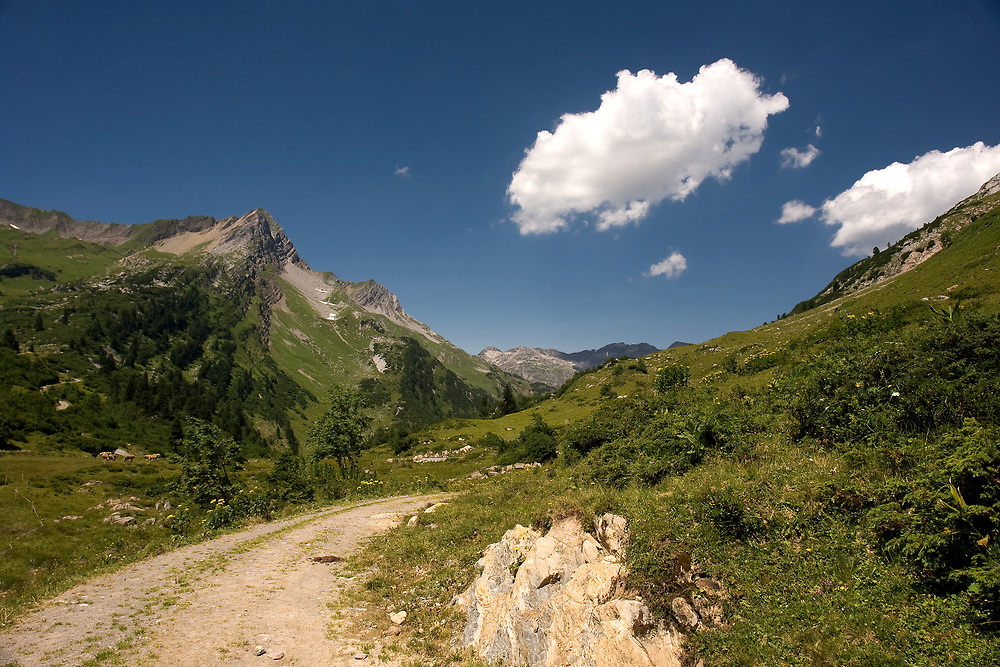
{"x":399,"y":141}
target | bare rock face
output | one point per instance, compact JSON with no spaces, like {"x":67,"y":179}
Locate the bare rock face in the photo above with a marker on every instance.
{"x":557,"y":600}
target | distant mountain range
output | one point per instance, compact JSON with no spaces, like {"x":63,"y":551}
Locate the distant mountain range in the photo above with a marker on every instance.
{"x":552,"y":368}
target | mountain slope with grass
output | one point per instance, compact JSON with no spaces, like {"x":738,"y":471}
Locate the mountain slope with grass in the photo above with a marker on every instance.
{"x":909,"y":252}
{"x":215,"y":319}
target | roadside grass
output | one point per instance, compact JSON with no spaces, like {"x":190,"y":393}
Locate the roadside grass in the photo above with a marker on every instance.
{"x":52,"y":534}
{"x":806,"y":587}
{"x":52,"y":528}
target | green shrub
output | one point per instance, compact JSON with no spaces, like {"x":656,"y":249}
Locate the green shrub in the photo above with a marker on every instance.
{"x":944,"y":523}
{"x":671,"y":377}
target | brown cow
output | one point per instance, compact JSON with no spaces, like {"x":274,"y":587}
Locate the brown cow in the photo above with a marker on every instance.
{"x":108,"y":456}
{"x":128,"y":457}
{"x":152,"y":457}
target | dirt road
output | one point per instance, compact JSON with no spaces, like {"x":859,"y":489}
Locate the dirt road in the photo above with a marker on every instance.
{"x":219,"y":602}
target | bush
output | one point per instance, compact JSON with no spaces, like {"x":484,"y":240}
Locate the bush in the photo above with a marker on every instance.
{"x":671,"y":377}
{"x":538,"y":441}
{"x":288,"y":479}
{"x":944,"y":524}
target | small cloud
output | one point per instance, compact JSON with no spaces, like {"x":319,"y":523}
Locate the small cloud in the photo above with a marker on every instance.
{"x":794,"y":211}
{"x":402,"y":171}
{"x":671,"y":267}
{"x":818,"y":131}
{"x":652,"y":138}
{"x":793,"y":158}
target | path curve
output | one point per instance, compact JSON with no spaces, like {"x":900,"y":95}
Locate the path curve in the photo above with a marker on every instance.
{"x":215,"y":602}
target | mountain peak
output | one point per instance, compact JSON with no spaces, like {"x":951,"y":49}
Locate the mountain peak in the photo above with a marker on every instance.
{"x":255,"y":238}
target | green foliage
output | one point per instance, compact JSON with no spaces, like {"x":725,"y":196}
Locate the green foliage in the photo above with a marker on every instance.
{"x":288,"y":479}
{"x":207,"y":456}
{"x":944,"y":521}
{"x":672,"y":377}
{"x":538,"y":441}
{"x":18,"y":269}
{"x":861,"y":387}
{"x":491,"y":440}
{"x":508,"y":404}
{"x":339,"y":433}
{"x":428,"y":391}
{"x":9,"y":341}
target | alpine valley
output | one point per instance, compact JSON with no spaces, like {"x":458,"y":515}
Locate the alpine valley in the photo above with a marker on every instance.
{"x":822,"y":489}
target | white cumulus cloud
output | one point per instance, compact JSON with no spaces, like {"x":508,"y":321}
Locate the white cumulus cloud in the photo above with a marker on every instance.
{"x":671,"y":267}
{"x":795,"y":211}
{"x":402,"y":171}
{"x":886,"y":204}
{"x":793,"y":158}
{"x":650,"y":139}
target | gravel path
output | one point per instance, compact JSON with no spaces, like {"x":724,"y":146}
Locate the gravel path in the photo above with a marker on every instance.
{"x":218,"y":602}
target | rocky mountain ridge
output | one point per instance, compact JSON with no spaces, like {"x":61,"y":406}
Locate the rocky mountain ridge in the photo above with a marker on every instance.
{"x":552,"y":367}
{"x":249,"y":244}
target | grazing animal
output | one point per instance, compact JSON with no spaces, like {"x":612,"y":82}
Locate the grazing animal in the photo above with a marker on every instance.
{"x":128,"y":457}
{"x":108,"y":456}
{"x":152,"y":457}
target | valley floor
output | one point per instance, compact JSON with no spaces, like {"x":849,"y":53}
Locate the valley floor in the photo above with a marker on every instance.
{"x":220,"y":601}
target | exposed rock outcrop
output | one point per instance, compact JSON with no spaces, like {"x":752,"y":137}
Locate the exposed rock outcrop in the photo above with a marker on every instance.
{"x":552,"y":367}
{"x":557,"y":600}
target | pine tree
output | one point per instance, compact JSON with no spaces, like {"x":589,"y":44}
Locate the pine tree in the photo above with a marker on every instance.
{"x":508,"y":405}
{"x":9,"y":340}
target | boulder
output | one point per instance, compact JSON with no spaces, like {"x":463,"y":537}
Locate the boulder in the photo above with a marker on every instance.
{"x":557,"y":601}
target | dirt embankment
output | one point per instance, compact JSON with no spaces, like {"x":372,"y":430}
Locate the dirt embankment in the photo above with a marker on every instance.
{"x":219,"y":602}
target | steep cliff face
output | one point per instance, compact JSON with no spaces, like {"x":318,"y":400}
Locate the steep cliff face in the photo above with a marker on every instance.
{"x":532,"y":363}
{"x":377,"y":299}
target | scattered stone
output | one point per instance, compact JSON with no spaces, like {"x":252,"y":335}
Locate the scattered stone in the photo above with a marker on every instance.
{"x":326,"y":559}
{"x":412,"y":522}
{"x":360,"y":656}
{"x":433,"y":508}
{"x":259,"y":650}
{"x":119,"y":520}
{"x":150,"y":521}
{"x":476,"y":475}
{"x":398,"y":617}
{"x":277,"y":656}
{"x":711,"y":587}
{"x":684,"y":614}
